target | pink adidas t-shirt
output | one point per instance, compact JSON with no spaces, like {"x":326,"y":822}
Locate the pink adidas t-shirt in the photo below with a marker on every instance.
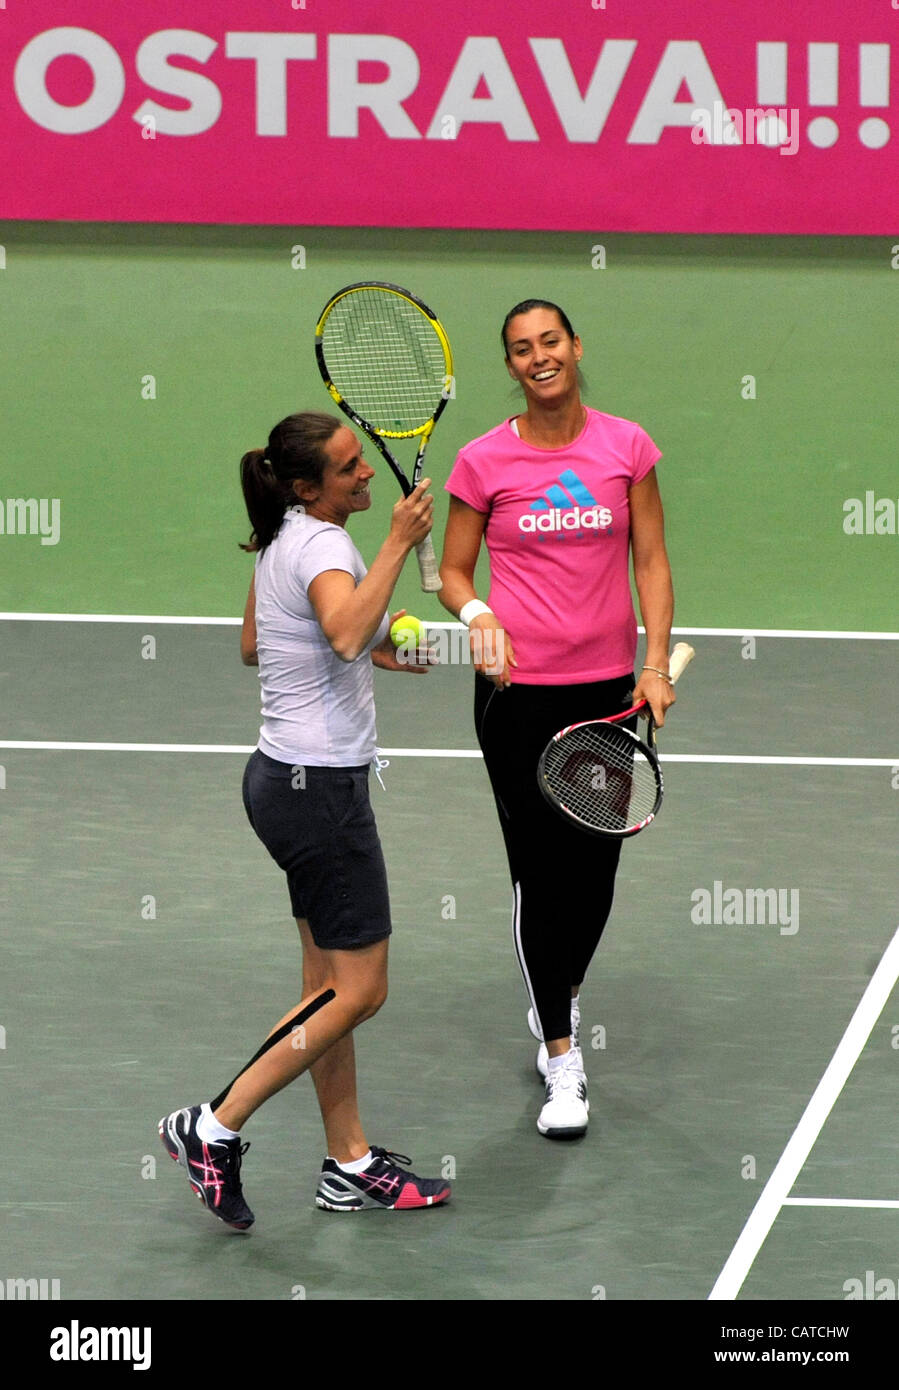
{"x":558,"y":537}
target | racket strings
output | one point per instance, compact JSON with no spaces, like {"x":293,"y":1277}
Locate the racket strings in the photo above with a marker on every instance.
{"x":385,"y":359}
{"x":600,"y":774}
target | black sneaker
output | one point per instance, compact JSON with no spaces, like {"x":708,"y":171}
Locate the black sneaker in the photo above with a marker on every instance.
{"x":213,"y":1169}
{"x":381,"y":1184}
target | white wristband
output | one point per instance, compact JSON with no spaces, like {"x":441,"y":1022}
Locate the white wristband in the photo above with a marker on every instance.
{"x":472,"y":609}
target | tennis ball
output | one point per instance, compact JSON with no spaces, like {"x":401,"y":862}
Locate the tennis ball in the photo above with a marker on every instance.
{"x":407,"y":629}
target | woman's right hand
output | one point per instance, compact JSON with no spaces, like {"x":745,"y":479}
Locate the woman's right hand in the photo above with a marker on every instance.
{"x":413,"y":516}
{"x":492,"y":654}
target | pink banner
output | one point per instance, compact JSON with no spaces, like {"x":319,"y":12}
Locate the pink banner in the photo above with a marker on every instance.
{"x":591,"y":115}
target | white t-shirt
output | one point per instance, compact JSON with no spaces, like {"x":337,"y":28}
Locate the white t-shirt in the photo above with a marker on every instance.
{"x":317,"y":710}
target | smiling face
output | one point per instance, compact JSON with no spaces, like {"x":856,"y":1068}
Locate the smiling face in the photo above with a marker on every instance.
{"x":542,"y":357}
{"x":344,"y":485}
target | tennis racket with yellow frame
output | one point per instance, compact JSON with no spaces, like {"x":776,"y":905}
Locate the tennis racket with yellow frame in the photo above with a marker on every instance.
{"x":386,"y":360}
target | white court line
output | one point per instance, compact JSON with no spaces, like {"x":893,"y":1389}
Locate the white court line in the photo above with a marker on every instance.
{"x":80,"y":746}
{"x":826,"y":634}
{"x":791,"y":1161}
{"x":833,"y":636}
{"x":55,"y":745}
{"x":776,"y":761}
{"x":116,"y":618}
{"x":52,"y":745}
{"x":837,"y":1202}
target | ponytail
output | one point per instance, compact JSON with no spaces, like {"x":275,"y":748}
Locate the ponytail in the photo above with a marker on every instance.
{"x":295,"y":452}
{"x":264,"y":498}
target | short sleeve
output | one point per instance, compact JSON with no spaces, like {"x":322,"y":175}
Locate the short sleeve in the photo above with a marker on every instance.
{"x":329,"y":549}
{"x":465,"y":483}
{"x":645,"y":454}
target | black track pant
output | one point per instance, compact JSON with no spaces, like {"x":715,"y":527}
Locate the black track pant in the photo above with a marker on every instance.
{"x":563,"y":877}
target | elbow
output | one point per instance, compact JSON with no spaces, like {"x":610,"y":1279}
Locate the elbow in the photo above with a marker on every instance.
{"x":343,"y":637}
{"x":248,"y":651}
{"x":346,"y":638}
{"x":346,"y":653}
{"x":342,"y":647}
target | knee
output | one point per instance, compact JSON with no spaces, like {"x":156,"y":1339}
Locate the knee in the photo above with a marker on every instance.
{"x":370,"y":1001}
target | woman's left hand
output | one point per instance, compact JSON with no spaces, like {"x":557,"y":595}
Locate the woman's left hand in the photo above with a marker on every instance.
{"x":658,"y":693}
{"x":386,"y":656}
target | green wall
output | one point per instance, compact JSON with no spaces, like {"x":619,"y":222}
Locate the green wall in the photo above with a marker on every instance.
{"x":150,"y":505}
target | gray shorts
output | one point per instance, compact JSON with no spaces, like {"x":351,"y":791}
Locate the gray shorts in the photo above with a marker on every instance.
{"x":318,"y":825}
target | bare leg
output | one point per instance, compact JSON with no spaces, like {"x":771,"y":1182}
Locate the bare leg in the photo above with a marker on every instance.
{"x":334,"y":1074}
{"x":359,"y":981}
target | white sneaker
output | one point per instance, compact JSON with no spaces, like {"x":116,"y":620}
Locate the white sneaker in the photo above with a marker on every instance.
{"x":542,"y":1054}
{"x":564,"y":1114}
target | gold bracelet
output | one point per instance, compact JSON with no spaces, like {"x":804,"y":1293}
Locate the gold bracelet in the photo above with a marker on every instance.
{"x":664,"y":674}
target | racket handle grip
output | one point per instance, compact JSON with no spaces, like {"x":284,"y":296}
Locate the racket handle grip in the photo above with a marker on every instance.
{"x":427,"y":563}
{"x":681,"y":657}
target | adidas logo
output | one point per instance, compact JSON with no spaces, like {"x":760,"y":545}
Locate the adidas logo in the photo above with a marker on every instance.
{"x":566,"y":506}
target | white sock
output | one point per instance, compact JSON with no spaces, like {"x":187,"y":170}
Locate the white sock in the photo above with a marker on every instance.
{"x":356,"y":1165}
{"x":554,"y":1063}
{"x":209,"y":1129}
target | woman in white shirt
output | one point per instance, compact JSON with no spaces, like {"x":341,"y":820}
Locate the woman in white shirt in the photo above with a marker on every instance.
{"x":315,"y":623}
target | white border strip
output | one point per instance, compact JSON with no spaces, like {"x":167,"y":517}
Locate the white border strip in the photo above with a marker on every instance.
{"x":791,"y":1161}
{"x":70,"y":746}
{"x":837,"y":1202}
{"x":825,"y":634}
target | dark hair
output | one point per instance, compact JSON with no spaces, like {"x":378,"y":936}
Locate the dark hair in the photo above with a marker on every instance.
{"x":295,"y":451}
{"x":525,"y":307}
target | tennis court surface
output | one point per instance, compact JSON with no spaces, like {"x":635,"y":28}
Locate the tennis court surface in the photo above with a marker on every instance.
{"x":150,"y":947}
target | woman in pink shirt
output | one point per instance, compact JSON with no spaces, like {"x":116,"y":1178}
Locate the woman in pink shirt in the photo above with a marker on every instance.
{"x":561,"y":495}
